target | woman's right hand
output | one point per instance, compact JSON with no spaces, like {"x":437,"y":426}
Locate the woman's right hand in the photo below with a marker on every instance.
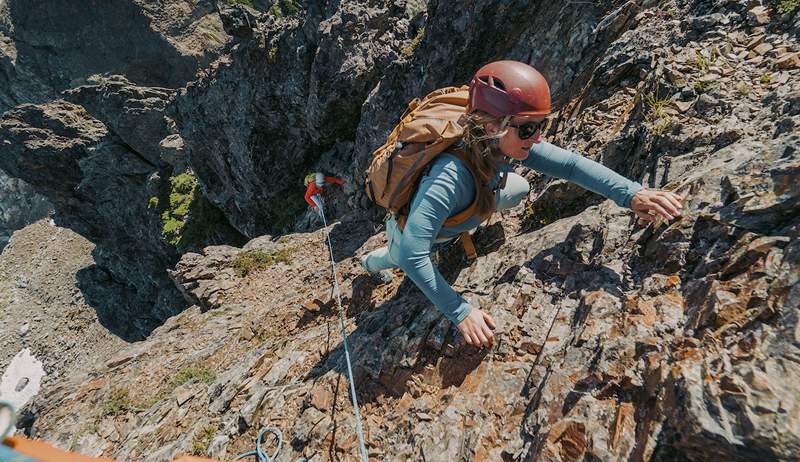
{"x":477,"y":328}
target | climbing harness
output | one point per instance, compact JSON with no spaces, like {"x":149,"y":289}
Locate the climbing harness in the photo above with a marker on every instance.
{"x":337,"y":292}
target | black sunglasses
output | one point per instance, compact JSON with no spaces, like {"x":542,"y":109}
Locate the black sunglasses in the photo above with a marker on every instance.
{"x":529,"y":129}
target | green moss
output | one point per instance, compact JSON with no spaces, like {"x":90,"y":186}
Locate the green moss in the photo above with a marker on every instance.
{"x":255,"y":260}
{"x":411,"y":48}
{"x":183,"y":194}
{"x":787,"y":6}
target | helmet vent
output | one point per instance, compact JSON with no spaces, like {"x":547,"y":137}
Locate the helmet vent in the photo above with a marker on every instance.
{"x":499,"y":84}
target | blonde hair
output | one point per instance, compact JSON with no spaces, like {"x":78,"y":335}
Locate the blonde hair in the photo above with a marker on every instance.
{"x":483,"y":152}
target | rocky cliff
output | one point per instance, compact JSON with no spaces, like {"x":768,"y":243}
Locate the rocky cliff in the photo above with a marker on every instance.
{"x":616,"y":341}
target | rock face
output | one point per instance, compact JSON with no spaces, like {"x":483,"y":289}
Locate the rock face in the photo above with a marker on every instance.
{"x":19,"y":206}
{"x":615,"y":341}
{"x":50,"y":47}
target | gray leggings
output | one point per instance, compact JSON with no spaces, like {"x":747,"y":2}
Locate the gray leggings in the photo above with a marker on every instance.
{"x":386,"y":257}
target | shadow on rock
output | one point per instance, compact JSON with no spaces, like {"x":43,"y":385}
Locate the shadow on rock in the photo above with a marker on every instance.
{"x":117,"y":304}
{"x":402,"y":337}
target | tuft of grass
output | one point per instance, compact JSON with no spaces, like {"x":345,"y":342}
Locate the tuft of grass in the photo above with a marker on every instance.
{"x":194,"y":374}
{"x":256,"y":260}
{"x":743,"y":89}
{"x":701,"y":62}
{"x":657,"y":117}
{"x":787,"y":6}
{"x":282,"y":7}
{"x":766,"y":79}
{"x":118,"y":402}
{"x":188,"y":374}
{"x":702,"y":87}
{"x":202,"y":439}
{"x":409,"y":49}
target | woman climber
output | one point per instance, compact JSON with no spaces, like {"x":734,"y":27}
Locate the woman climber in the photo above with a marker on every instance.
{"x":509,"y":102}
{"x":315,"y":187}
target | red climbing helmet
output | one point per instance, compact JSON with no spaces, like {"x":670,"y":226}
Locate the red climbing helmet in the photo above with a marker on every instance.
{"x":511,"y":88}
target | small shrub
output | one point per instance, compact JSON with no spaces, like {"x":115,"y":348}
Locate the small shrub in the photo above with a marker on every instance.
{"x":152,"y":203}
{"x":766,"y":79}
{"x":701,"y":62}
{"x":787,"y":6}
{"x":202,"y":439}
{"x":240,"y":2}
{"x":194,"y":374}
{"x":663,"y":124}
{"x":118,"y":402}
{"x":702,"y":87}
{"x":255,"y":260}
{"x":657,"y":117}
{"x":183,"y":194}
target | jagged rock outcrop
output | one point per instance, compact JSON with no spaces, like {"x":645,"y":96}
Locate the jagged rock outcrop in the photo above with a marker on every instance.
{"x":19,"y":206}
{"x":49,"y":47}
{"x":101,"y":189}
{"x":615,"y":341}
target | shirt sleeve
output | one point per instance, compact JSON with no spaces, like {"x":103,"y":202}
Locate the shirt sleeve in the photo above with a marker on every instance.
{"x":554,"y":161}
{"x":334,"y":180}
{"x":310,"y":191}
{"x":443,"y":191}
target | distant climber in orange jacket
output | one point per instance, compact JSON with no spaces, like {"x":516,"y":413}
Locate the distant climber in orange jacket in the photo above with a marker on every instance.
{"x":317,"y":183}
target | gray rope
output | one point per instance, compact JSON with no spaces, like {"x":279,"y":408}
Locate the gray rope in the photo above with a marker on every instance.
{"x":344,"y":340}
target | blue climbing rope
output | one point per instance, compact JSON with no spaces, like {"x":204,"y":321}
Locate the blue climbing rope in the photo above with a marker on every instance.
{"x":259,"y":452}
{"x":344,"y":340}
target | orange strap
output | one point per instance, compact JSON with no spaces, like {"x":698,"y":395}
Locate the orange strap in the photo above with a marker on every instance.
{"x":43,"y":452}
{"x":469,"y":246}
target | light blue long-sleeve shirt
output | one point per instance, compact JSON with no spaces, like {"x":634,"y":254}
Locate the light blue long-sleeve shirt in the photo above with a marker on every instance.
{"x":448,"y":188}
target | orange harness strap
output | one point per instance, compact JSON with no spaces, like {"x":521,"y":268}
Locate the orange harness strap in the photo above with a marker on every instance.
{"x":43,"y":452}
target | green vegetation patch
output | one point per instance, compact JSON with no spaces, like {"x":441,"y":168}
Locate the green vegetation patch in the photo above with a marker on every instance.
{"x":194,"y":374}
{"x":183,"y":193}
{"x":409,"y":49}
{"x":788,"y":6}
{"x":118,"y":402}
{"x":282,"y":8}
{"x":240,"y":2}
{"x":657,"y":117}
{"x":256,"y":260}
{"x":202,"y":439}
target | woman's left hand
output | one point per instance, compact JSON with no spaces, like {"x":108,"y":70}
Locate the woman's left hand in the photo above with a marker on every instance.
{"x":649,"y":204}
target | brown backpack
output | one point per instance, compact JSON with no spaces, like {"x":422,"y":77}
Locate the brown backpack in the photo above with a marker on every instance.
{"x":427,"y":128}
